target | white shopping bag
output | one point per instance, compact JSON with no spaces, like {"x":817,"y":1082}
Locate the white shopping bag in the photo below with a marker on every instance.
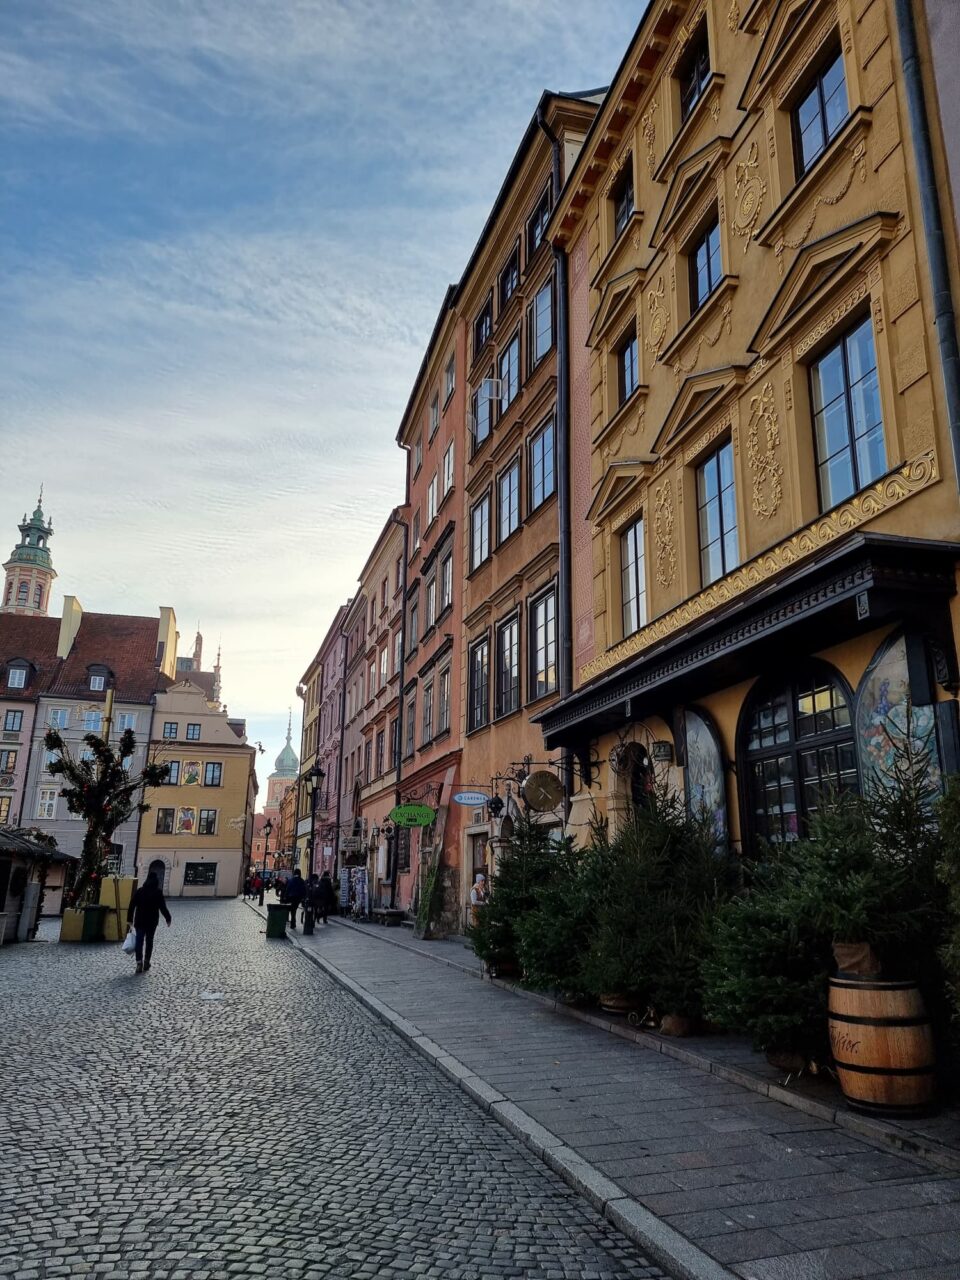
{"x":129,"y":944}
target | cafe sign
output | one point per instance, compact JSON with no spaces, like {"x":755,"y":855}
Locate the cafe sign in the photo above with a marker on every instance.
{"x":412,"y":815}
{"x":476,"y":799}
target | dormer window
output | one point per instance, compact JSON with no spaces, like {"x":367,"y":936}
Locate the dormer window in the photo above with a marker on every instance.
{"x":694,"y":70}
{"x":97,"y":683}
{"x":17,"y":677}
{"x":705,"y":269}
{"x":821,"y":113}
{"x":622,"y":197}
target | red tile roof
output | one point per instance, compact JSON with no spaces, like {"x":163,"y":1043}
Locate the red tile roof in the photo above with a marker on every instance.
{"x":126,"y":645}
{"x":34,"y":639}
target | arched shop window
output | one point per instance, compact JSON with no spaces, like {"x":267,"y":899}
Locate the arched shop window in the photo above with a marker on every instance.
{"x":798,"y":744}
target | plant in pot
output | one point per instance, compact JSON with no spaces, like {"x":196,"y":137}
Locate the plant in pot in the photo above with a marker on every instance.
{"x":618,"y":959}
{"x":525,"y":863}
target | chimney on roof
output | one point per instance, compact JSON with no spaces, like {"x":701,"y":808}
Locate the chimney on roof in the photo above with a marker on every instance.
{"x":69,"y":625}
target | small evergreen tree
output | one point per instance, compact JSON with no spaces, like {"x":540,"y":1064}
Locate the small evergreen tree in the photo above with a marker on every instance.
{"x":552,"y":938}
{"x":527,"y":861}
{"x":100,"y":790}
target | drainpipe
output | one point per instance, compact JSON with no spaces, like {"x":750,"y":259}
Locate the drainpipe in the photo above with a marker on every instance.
{"x":933,"y":229}
{"x":565,"y":610}
{"x":395,"y":842}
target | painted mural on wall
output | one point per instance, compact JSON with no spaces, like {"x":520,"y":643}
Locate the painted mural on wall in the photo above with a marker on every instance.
{"x":186,"y":821}
{"x":704,"y":781}
{"x":191,"y":773}
{"x":885,"y":716}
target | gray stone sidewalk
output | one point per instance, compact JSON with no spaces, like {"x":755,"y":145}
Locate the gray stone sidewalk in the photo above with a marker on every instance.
{"x":768,"y":1191}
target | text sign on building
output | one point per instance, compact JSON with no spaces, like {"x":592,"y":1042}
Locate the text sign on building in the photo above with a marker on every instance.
{"x":475,"y":798}
{"x":412,"y":815}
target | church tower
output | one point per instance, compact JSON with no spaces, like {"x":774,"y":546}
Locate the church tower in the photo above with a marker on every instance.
{"x":286,"y":769}
{"x":29,"y":571}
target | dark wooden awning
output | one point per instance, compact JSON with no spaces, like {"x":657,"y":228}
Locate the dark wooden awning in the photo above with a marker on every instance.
{"x":868,"y":580}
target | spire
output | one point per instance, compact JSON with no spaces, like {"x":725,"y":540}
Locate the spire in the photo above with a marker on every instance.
{"x":287,"y":764}
{"x":216,"y":676}
{"x":29,"y":570}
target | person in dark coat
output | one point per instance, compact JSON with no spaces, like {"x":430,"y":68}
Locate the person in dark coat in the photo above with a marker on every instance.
{"x":325,"y":899}
{"x":294,"y":893}
{"x":146,"y":907}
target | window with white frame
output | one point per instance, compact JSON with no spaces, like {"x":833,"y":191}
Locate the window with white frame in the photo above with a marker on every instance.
{"x":432,"y":490}
{"x":480,"y":531}
{"x":384,"y":666}
{"x":443,"y":701}
{"x":478,"y":695}
{"x":47,"y":802}
{"x":450,"y":377}
{"x":416,"y":530}
{"x":417,"y":454}
{"x":431,"y":602}
{"x":446,"y":582}
{"x":410,"y":728}
{"x":49,"y":758}
{"x":434,"y":415}
{"x":371,"y":680}
{"x":540,"y":325}
{"x":92,"y":721}
{"x":542,"y":644}
{"x":508,"y":501}
{"x":633,"y":582}
{"x":542,"y":465}
{"x":448,"y":469}
{"x":427,"y":716}
{"x":509,"y":368}
{"x":97,"y":683}
{"x":16,"y":677}
{"x":508,"y":666}
{"x":397,"y":651}
{"x":58,"y":718}
{"x":128,"y":720}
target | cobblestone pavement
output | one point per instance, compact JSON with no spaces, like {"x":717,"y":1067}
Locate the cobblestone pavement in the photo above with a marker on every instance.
{"x":770,"y":1192}
{"x":234,"y":1113}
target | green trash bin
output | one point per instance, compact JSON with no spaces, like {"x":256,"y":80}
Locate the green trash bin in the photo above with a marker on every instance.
{"x":93,"y":921}
{"x":278,"y":913}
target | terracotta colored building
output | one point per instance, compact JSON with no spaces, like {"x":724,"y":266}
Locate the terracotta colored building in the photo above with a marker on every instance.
{"x":764,"y":503}
{"x":433,"y":433}
{"x":322,"y":691}
{"x":381,"y":584}
{"x":509,"y":310}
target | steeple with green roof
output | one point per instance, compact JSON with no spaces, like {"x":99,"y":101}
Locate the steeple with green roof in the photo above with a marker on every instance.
{"x":29,"y":571}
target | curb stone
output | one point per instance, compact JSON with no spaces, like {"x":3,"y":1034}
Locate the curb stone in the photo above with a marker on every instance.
{"x":662,"y":1243}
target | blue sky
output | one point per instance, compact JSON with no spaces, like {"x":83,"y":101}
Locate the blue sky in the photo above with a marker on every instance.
{"x":227,"y":228}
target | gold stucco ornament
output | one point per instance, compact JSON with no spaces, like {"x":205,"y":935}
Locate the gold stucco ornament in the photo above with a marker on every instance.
{"x":763,"y":446}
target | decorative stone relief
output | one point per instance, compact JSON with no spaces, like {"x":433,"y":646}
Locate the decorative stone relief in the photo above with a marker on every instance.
{"x":829,"y":321}
{"x":657,"y":327}
{"x":858,"y":164}
{"x":878,"y":315}
{"x":630,"y":428}
{"x":915,"y":475}
{"x":663,"y":522}
{"x":733,"y":15}
{"x":679,"y":368}
{"x":750,"y":191}
{"x":771,"y":144}
{"x":715,"y":108}
{"x":649,"y":129}
{"x":763,"y":453}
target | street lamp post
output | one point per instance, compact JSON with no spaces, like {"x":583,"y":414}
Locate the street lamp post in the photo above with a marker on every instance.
{"x":267,"y":832}
{"x":313,"y":779}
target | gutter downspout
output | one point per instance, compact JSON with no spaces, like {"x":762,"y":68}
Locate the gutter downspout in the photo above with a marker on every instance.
{"x":565,"y":609}
{"x":395,"y":843}
{"x":933,"y":230}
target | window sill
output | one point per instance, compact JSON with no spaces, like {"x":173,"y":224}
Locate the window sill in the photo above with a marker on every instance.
{"x":719,"y":303}
{"x":616,"y":246}
{"x":622,"y":412}
{"x":541,"y":699}
{"x":510,"y":536}
{"x":446,"y":403}
{"x":479,"y":568}
{"x":507,"y":715}
{"x":478,"y":729}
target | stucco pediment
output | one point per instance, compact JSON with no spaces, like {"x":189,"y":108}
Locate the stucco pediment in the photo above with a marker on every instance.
{"x":694,"y":178}
{"x":619,"y":481}
{"x":788,"y":21}
{"x":820,"y":269}
{"x":613,"y":304}
{"x":701,"y":395}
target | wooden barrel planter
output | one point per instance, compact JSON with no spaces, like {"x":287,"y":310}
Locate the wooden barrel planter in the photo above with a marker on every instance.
{"x":882,"y":1045}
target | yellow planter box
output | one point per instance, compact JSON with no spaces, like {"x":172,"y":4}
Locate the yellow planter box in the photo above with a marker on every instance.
{"x":115,"y":893}
{"x":71,"y":925}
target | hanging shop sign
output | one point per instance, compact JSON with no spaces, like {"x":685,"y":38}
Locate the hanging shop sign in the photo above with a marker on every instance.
{"x":412,"y":815}
{"x":474,"y":798}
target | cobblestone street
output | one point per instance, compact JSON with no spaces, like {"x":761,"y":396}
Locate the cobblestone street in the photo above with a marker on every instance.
{"x":234,"y":1113}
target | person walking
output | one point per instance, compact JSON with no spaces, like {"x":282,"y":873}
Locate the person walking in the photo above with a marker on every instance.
{"x":146,"y":907}
{"x":325,"y":897}
{"x":295,"y":892}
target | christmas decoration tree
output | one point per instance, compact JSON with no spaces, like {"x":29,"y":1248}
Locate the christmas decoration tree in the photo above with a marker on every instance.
{"x":100,"y":789}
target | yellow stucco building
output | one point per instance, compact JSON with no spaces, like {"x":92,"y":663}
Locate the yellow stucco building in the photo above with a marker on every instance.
{"x":764,"y":494}
{"x":199,"y":826}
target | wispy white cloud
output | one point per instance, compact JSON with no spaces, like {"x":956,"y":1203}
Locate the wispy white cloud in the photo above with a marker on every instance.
{"x":215,"y":302}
